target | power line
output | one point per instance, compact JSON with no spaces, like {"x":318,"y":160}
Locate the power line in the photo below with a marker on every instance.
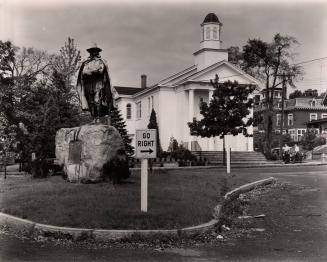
{"x":312,"y":60}
{"x":300,"y":63}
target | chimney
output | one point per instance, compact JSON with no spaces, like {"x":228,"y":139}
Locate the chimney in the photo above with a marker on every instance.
{"x":143,"y":81}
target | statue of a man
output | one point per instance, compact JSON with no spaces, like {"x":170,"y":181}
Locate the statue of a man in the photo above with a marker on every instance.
{"x":93,"y":85}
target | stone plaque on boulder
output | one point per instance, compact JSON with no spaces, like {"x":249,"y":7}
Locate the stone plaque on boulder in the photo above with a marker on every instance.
{"x":75,"y":150}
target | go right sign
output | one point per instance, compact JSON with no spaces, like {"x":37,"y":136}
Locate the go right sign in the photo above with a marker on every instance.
{"x":146,"y":143}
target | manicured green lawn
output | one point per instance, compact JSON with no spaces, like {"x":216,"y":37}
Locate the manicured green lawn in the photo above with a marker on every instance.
{"x":176,"y":199}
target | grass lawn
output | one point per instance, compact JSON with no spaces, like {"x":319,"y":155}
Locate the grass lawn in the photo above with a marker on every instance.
{"x":177,"y":198}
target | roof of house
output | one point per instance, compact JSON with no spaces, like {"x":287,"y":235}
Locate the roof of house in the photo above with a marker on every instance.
{"x":127,"y":90}
{"x":305,"y":103}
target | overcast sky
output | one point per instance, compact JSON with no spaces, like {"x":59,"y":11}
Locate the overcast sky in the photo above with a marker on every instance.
{"x":158,"y":38}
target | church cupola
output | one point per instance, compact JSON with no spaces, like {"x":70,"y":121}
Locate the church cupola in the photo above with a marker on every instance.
{"x":210,"y":32}
{"x":210,"y":51}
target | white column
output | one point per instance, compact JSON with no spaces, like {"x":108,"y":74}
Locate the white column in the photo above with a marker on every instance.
{"x":190,"y":112}
{"x":211,"y":139}
{"x":190,"y":105}
{"x":210,"y":95}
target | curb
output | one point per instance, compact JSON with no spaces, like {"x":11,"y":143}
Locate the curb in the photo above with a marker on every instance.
{"x":29,"y":227}
{"x":231,"y":195}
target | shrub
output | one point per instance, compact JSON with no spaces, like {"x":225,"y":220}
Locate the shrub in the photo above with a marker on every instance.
{"x":117,"y":169}
{"x":310,"y":140}
{"x":259,"y":142}
{"x":39,"y":168}
{"x":183,"y":154}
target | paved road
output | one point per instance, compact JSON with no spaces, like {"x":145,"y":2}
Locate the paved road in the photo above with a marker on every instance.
{"x":297,"y":235}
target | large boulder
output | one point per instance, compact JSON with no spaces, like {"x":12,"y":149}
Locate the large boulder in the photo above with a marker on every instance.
{"x":84,"y":151}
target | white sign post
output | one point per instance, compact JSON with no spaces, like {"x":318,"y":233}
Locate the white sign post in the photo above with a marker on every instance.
{"x":146,"y":147}
{"x":228,"y":146}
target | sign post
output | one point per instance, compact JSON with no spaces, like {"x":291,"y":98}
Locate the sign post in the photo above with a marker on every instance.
{"x":228,"y":147}
{"x":146,"y":147}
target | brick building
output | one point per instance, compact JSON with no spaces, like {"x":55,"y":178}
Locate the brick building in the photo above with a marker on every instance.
{"x":298,"y":113}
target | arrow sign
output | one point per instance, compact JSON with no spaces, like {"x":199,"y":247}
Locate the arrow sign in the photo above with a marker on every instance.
{"x":147,"y":151}
{"x":146,"y":143}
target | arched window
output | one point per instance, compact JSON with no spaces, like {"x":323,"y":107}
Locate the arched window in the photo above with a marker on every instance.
{"x":215,"y":33}
{"x":202,"y":34}
{"x":207,"y":33}
{"x":128,"y":111}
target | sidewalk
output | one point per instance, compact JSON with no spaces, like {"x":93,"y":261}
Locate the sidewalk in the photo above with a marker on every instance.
{"x":12,"y":171}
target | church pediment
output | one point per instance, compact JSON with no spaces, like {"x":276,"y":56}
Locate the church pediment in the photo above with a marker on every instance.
{"x":225,"y":70}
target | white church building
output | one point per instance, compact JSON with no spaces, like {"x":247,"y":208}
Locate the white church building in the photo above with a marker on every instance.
{"x":176,"y":98}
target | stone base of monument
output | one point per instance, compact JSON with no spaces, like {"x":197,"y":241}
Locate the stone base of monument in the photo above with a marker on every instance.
{"x":84,"y":151}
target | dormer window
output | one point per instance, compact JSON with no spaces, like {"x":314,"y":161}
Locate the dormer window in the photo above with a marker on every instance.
{"x":312,"y":103}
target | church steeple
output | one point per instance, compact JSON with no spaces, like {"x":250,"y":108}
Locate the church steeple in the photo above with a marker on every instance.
{"x":210,"y":32}
{"x":210,"y":46}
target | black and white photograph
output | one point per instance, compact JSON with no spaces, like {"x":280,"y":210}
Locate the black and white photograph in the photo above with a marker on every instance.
{"x":163,"y":130}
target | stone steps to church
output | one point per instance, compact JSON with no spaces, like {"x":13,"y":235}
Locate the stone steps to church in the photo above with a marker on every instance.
{"x":238,"y":158}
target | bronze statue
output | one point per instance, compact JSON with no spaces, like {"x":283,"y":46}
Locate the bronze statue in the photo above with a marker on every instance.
{"x":93,"y":85}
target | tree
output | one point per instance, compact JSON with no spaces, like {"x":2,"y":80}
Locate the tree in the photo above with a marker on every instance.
{"x":154,"y":125}
{"x":295,"y":94}
{"x":68,"y":61}
{"x":47,"y":109}
{"x":7,"y":144}
{"x":20,"y":69}
{"x":268,"y":62}
{"x":118,"y":122}
{"x":310,"y":93}
{"x":173,"y":145}
{"x":228,"y":111}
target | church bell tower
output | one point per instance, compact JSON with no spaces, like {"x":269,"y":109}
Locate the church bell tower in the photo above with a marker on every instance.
{"x":210,"y":46}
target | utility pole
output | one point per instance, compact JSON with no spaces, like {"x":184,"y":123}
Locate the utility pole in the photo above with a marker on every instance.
{"x":284,"y":93}
{"x":282,"y":117}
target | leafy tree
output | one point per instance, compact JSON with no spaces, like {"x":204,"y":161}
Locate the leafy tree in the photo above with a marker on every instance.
{"x":295,"y":94}
{"x":227,"y":112}
{"x":7,"y":144}
{"x":20,"y":69}
{"x":154,"y":125}
{"x":118,"y":122}
{"x":173,"y":145}
{"x":47,"y":109}
{"x":268,"y":62}
{"x":312,"y":93}
{"x":68,"y":61}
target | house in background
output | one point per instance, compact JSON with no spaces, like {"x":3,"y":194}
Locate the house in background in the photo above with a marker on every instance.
{"x":176,"y":98}
{"x":299,"y":113}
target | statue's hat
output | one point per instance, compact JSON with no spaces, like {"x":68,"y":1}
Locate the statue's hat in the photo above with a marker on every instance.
{"x":94,"y":48}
